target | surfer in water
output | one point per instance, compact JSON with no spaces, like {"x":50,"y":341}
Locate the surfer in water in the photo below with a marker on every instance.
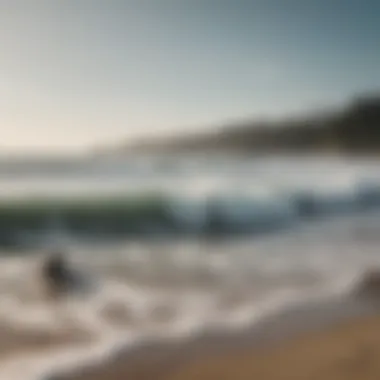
{"x":56,"y":274}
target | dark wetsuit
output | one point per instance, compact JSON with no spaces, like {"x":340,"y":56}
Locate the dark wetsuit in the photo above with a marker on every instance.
{"x":56,"y":273}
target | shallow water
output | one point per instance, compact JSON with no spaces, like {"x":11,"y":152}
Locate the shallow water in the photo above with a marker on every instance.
{"x":174,"y":288}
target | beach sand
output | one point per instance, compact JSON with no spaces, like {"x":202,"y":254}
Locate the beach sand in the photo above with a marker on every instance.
{"x":349,"y":351}
{"x":333,"y":341}
{"x":18,"y":341}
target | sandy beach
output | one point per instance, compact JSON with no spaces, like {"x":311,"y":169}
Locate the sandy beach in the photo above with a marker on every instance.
{"x":18,"y":341}
{"x":347,"y":351}
{"x":336,"y":340}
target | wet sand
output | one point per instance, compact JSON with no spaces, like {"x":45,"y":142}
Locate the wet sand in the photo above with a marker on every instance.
{"x":330,"y":340}
{"x":349,"y":351}
{"x":15,"y":341}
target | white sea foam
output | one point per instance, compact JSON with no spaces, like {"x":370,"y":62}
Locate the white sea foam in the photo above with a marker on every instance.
{"x":169,"y":290}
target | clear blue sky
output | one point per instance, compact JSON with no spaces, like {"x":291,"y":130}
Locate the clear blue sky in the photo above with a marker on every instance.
{"x":76,"y":73}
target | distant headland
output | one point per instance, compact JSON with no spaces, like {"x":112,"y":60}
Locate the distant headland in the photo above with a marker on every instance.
{"x":354,"y":129}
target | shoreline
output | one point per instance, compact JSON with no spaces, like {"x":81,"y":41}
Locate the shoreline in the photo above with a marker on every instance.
{"x":159,"y":359}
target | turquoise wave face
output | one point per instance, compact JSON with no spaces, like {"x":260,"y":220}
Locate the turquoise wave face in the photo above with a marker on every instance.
{"x":148,"y":214}
{"x":99,"y":215}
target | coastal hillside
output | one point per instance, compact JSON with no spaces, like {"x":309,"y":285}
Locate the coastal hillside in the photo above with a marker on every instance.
{"x":353,"y":129}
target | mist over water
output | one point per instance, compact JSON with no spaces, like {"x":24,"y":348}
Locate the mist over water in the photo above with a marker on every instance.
{"x":142,"y":286}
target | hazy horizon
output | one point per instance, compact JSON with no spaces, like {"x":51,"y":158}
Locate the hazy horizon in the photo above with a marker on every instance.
{"x":80,"y":74}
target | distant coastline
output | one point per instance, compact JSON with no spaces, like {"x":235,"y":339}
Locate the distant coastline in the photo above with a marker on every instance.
{"x":353,"y":130}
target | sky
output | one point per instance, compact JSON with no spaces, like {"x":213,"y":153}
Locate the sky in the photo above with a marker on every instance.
{"x":81,"y":73}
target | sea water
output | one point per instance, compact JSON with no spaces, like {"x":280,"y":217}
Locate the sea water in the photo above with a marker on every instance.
{"x":170,"y":286}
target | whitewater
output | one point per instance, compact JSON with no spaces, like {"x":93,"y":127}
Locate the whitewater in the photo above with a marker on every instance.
{"x":323,"y":215}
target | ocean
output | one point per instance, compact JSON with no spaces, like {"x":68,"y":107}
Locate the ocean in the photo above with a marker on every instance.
{"x":171,"y":247}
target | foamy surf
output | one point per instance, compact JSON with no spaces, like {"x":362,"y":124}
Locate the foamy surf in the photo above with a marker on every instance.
{"x":110,"y":200}
{"x":142,"y":287}
{"x":171,"y":291}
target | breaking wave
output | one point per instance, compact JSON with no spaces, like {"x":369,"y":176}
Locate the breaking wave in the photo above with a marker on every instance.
{"x":29,"y":220}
